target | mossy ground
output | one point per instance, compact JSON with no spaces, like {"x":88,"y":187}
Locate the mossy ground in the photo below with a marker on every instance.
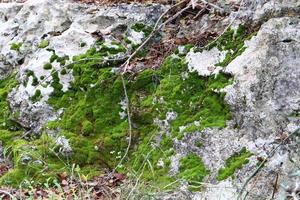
{"x":193,"y":170}
{"x":98,"y":134}
{"x":92,"y":112}
{"x":92,"y":122}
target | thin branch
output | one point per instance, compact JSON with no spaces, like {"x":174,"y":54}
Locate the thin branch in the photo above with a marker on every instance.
{"x":212,"y":5}
{"x":129,"y":122}
{"x":154,"y":30}
{"x":7,"y":193}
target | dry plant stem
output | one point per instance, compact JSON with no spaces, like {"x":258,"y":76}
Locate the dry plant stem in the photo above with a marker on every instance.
{"x":212,"y":5}
{"x":7,"y":193}
{"x":263,"y":163}
{"x":275,"y":186}
{"x":129,"y":122}
{"x":138,"y":179}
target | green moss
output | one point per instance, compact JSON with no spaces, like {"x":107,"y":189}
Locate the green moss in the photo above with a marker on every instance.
{"x":62,"y":60}
{"x":82,"y":44}
{"x":56,"y":84}
{"x":140,"y":27}
{"x":37,"y":96}
{"x":47,"y":66}
{"x":112,"y":48}
{"x":93,"y":124}
{"x":35,"y":80}
{"x":232,"y":42}
{"x":43,"y":44}
{"x":87,"y":127}
{"x":63,"y":72}
{"x":193,"y":170}
{"x":90,"y":109}
{"x":6,"y":85}
{"x":16,"y":46}
{"x":53,"y":57}
{"x":234,"y":162}
{"x":38,"y":166}
{"x":192,"y":99}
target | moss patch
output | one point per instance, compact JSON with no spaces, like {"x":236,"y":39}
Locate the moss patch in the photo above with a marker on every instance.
{"x":16,"y":46}
{"x":43,"y":44}
{"x":47,"y":66}
{"x":6,"y":86}
{"x":233,"y":163}
{"x":140,"y":27}
{"x":92,"y":109}
{"x":193,"y":170}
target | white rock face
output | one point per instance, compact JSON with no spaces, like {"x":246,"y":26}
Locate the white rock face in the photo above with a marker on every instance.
{"x":205,"y":62}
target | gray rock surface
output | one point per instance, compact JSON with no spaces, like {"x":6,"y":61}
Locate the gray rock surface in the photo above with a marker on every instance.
{"x":263,"y":98}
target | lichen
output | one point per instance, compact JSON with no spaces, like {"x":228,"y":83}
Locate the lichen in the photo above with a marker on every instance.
{"x":43,"y":44}
{"x":233,"y":163}
{"x":16,"y":46}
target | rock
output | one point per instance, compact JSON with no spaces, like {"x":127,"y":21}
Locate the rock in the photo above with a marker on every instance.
{"x":25,"y":159}
{"x":64,"y":147}
{"x":263,"y":98}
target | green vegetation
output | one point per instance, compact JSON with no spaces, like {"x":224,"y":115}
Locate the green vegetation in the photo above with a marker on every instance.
{"x":96,"y":125}
{"x":16,"y":46}
{"x":236,"y":161}
{"x":63,"y":71}
{"x":140,"y":27}
{"x":6,"y":86}
{"x":35,"y":80}
{"x":91,"y":111}
{"x":43,"y":44}
{"x":193,"y":170}
{"x":37,"y":96}
{"x":232,"y":42}
{"x":47,"y":66}
{"x":82,"y":44}
{"x":57,"y":86}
